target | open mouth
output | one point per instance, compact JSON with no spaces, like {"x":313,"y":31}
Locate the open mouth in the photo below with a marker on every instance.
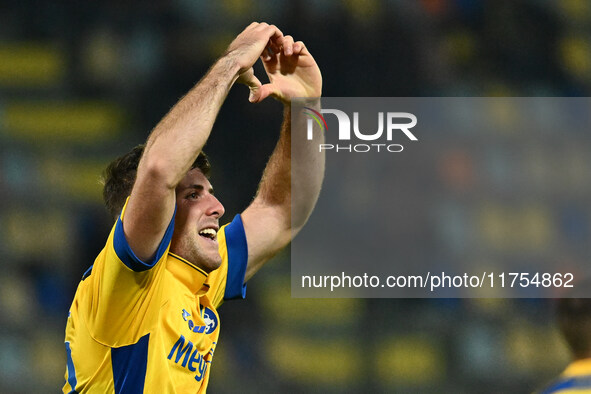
{"x":209,"y":234}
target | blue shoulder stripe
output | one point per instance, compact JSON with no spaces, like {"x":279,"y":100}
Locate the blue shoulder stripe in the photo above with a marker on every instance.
{"x":87,"y":273}
{"x":126,"y":255}
{"x":129,"y":366}
{"x":72,"y":381}
{"x":237,"y":259}
{"x":572,"y":383}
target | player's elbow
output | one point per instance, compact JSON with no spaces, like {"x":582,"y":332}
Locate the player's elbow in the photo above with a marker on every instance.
{"x":297,"y":225}
{"x":300,"y":213}
{"x":157,"y":171}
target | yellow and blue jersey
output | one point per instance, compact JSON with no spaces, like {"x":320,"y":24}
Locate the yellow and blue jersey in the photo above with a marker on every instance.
{"x":575,"y":379}
{"x":150,"y":327}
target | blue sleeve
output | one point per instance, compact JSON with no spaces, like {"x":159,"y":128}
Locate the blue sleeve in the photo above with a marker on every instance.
{"x":237,"y":259}
{"x":129,"y":258}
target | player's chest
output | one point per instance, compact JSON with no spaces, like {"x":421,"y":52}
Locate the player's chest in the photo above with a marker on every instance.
{"x":192,"y":317}
{"x":189,"y":328}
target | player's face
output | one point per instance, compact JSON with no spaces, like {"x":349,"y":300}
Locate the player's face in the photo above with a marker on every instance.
{"x":196,"y":222}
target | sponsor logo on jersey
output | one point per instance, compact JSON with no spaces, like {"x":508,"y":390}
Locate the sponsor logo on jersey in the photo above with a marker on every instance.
{"x":192,"y":360}
{"x":191,"y":324}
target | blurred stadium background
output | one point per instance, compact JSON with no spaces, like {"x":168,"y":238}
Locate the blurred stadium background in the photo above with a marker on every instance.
{"x":83,"y":82}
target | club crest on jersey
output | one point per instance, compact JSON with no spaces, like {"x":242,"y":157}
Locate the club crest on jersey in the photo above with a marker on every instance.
{"x":211,"y":320}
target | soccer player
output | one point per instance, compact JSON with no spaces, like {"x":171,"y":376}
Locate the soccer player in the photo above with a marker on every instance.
{"x":574,"y":322}
{"x":144,"y":317}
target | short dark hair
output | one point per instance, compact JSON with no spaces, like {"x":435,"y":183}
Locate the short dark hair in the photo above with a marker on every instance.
{"x":119,"y":177}
{"x":574,"y":321}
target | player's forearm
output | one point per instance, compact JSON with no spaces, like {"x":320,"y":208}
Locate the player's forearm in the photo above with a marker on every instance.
{"x":275,"y":185}
{"x":304,"y":174}
{"x":179,"y":137}
{"x":307,"y":169}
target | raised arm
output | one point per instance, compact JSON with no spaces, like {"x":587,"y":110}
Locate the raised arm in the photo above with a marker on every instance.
{"x":271,"y":222}
{"x":176,"y":141}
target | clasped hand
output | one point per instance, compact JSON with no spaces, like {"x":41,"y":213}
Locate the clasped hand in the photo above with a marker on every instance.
{"x":291,"y":69}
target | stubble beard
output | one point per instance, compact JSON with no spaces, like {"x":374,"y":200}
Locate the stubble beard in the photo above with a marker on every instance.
{"x":202,"y":256}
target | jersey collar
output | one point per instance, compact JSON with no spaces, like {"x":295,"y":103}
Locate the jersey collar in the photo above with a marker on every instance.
{"x":188,"y":273}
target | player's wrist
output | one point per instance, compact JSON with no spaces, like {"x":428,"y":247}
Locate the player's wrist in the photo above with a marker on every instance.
{"x":231,"y":64}
{"x":225,"y":68}
{"x":312,"y":102}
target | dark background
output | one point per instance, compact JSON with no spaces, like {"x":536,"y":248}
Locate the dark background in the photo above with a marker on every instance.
{"x":81,"y":84}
